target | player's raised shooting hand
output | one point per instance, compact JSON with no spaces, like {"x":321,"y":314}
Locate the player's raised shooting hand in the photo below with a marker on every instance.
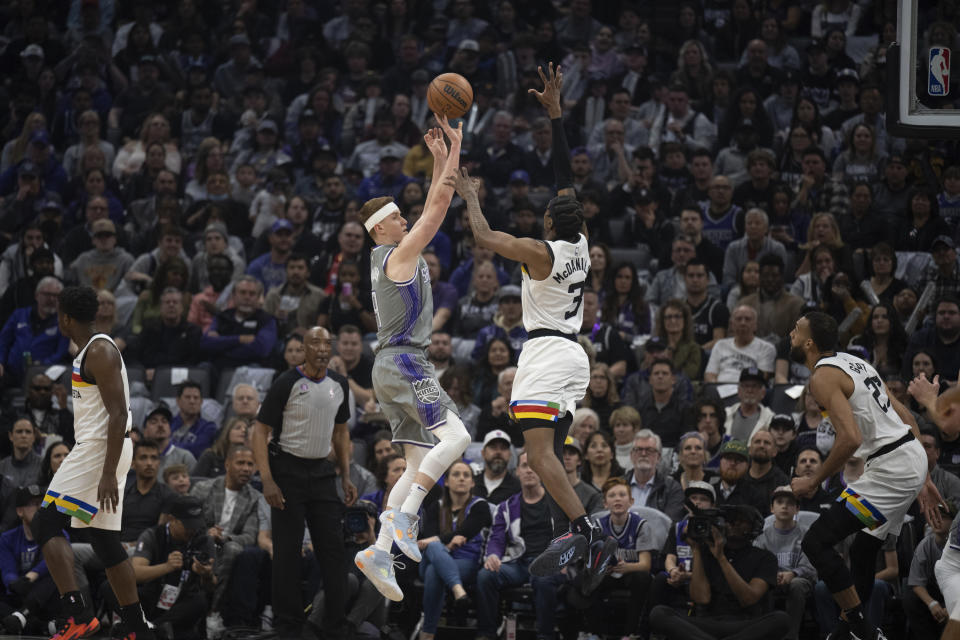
{"x":455,"y":135}
{"x":435,"y":143}
{"x":550,"y":97}
{"x":107,"y":493}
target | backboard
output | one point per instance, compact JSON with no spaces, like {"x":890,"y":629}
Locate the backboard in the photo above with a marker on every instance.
{"x":923,"y":88}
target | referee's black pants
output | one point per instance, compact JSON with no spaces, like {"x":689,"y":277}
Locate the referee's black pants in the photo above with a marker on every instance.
{"x":310,"y":494}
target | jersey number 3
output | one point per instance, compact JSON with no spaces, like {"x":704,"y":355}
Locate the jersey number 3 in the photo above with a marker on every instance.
{"x":879,"y":395}
{"x":576,"y":288}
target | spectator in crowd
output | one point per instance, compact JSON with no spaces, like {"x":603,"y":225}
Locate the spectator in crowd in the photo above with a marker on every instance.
{"x":156,"y":427}
{"x":783,"y":429}
{"x":944,"y":273}
{"x":669,"y":282}
{"x":521,"y":531}
{"x":103,"y":266}
{"x":755,"y":244}
{"x":733,"y":487}
{"x":146,"y":498}
{"x":590,"y":497}
{"x":271,"y":268}
{"x":709,"y":316}
{"x":610,"y":348}
{"x":440,"y":351}
{"x":710,"y":416}
{"x":357,"y":365}
{"x":496,"y":482}
{"x":22,"y":466}
{"x":167,"y":341}
{"x":923,"y":596}
{"x":749,"y":415}
{"x":189,"y":429}
{"x":230,"y":513}
{"x":809,"y":460}
{"x":31,"y":599}
{"x":777,"y":309}
{"x":180,"y":555}
{"x":662,"y":410}
{"x":731,"y":355}
{"x":795,"y":575}
{"x":722,"y":219}
{"x":20,"y":291}
{"x":763,"y":474}
{"x":296,"y":302}
{"x":649,"y":486}
{"x":39,"y":405}
{"x":939,"y":340}
{"x":946,"y":483}
{"x":496,"y":414}
{"x":245,"y":401}
{"x":211,"y":462}
{"x":215,"y":296}
{"x":177,"y":477}
{"x":507,"y":324}
{"x":451,"y":556}
{"x":31,"y":335}
{"x":243,"y":334}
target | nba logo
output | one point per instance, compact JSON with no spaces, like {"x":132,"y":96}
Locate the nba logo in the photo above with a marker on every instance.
{"x":938,"y":80}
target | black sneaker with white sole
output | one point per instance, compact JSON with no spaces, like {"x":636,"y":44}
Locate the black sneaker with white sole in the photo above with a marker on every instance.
{"x":561,"y":551}
{"x":603,"y":555}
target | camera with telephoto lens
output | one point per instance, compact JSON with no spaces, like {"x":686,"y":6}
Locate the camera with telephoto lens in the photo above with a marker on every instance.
{"x":700,"y":525}
{"x":701,"y":522}
{"x":355,"y":517}
{"x":198,"y":550}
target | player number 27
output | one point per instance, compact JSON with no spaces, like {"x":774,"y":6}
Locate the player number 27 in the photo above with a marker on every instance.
{"x":873,"y":382}
{"x":577,"y":288}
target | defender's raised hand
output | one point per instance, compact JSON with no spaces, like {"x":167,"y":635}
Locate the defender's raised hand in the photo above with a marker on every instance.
{"x":550,"y":97}
{"x":464,"y":184}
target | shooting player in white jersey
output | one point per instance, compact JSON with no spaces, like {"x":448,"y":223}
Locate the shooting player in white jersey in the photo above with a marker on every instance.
{"x":553,"y":371}
{"x":870,"y":424}
{"x":88,"y":486}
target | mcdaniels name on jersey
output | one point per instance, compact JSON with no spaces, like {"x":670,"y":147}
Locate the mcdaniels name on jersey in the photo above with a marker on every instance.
{"x":572,"y":266}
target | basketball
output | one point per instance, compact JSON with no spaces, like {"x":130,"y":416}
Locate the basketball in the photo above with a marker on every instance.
{"x":450,"y":94}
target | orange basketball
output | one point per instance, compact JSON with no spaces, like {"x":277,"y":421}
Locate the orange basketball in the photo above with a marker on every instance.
{"x":450,"y":94}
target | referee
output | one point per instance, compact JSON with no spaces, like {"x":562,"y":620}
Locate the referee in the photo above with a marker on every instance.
{"x":306,"y":413}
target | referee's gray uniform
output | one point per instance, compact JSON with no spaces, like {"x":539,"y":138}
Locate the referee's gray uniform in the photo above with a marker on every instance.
{"x":302,"y":413}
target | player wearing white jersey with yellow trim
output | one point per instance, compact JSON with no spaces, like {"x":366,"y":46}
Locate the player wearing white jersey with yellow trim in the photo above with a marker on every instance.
{"x":553,"y":371}
{"x":88,"y":486}
{"x":870,"y":424}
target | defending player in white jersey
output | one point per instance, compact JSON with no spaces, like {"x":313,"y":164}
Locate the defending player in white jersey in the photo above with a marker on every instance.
{"x":553,"y":371}
{"x":870,"y":424}
{"x":89,"y":483}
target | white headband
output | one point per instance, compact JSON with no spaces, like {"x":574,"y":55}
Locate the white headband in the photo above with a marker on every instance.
{"x":380,"y":214}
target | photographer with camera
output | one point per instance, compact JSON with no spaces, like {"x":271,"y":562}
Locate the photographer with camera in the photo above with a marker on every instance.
{"x":729,"y":583}
{"x":364,"y":602}
{"x":173,"y":566}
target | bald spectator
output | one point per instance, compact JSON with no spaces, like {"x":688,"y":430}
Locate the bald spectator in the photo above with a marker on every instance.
{"x":744,"y":349}
{"x":245,"y":401}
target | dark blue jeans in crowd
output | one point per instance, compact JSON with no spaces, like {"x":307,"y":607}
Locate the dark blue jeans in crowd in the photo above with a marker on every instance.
{"x":515,"y":574}
{"x":438,"y":569}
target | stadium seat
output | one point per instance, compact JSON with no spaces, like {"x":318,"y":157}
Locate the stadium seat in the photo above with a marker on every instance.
{"x":639,"y":257}
{"x":166,"y":379}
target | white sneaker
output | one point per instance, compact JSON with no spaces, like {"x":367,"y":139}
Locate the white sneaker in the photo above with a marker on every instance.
{"x":405,"y":528}
{"x":215,"y":626}
{"x":266,"y":619}
{"x":377,"y":565}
